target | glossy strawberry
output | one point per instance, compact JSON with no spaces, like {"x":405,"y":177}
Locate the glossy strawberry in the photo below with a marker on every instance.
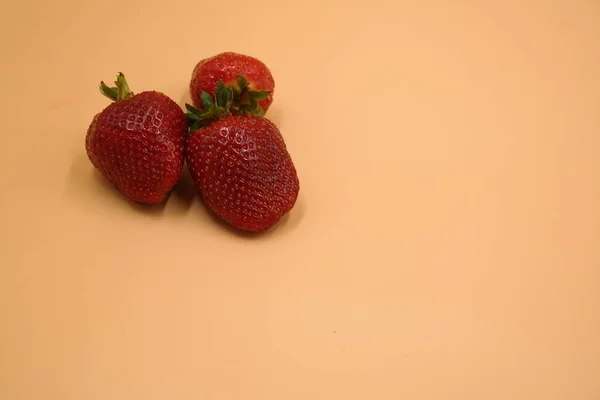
{"x":242,"y":169}
{"x":137,"y":142}
{"x":251,"y":80}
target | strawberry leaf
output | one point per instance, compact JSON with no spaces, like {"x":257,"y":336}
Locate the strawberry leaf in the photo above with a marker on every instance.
{"x":242,"y":83}
{"x":229,"y":99}
{"x":255,"y":108}
{"x":110,"y":92}
{"x":258,"y":111}
{"x":244,"y":108}
{"x":259,"y":95}
{"x":191,"y":119}
{"x":193,"y":110}
{"x":123,"y":91}
{"x":224,"y":95}
{"x":195,"y":126}
{"x":206,"y":100}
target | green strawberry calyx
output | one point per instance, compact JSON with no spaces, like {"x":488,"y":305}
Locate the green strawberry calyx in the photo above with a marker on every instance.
{"x":229,"y":100}
{"x":119,"y":92}
{"x":245,"y":99}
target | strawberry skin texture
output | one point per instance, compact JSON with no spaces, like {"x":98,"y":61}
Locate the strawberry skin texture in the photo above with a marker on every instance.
{"x":138,"y":145}
{"x":243,"y":171}
{"x":226,"y":67}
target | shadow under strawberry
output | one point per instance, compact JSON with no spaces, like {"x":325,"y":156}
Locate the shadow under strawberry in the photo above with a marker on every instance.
{"x":184,"y":190}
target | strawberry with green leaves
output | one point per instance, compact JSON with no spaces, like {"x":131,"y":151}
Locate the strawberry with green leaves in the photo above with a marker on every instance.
{"x":252,"y":82}
{"x":137,"y":142}
{"x":240,"y":164}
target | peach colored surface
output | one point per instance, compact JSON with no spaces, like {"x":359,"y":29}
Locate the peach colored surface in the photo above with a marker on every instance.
{"x":445,"y":244}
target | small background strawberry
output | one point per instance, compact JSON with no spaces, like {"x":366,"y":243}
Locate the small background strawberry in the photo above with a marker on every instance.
{"x":250,"y":78}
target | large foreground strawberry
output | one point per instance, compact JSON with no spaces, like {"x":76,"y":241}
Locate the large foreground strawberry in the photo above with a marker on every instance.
{"x":241,"y":166}
{"x":252,"y":82}
{"x":137,"y":142}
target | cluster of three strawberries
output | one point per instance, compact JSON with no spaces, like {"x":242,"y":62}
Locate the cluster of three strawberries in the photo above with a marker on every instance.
{"x":236,"y":157}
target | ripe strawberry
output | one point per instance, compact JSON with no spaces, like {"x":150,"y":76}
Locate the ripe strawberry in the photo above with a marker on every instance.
{"x":249,"y":77}
{"x":241,"y":166}
{"x":137,"y":142}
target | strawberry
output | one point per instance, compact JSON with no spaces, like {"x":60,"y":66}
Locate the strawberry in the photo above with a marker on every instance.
{"x":240,"y":165}
{"x":137,"y":142}
{"x":250,"y":79}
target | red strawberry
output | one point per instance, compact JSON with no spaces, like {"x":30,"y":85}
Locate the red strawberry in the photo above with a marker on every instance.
{"x":250,"y":78}
{"x":137,"y":142}
{"x":241,"y":167}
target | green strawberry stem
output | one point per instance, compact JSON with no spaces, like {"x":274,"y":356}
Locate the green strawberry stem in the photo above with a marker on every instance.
{"x":120,"y":92}
{"x":229,"y":100}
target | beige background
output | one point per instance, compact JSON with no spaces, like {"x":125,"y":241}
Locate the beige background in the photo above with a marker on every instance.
{"x":444,"y":244}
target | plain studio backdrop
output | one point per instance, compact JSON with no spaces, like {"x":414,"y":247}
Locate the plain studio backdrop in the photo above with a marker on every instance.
{"x":445,"y":243}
